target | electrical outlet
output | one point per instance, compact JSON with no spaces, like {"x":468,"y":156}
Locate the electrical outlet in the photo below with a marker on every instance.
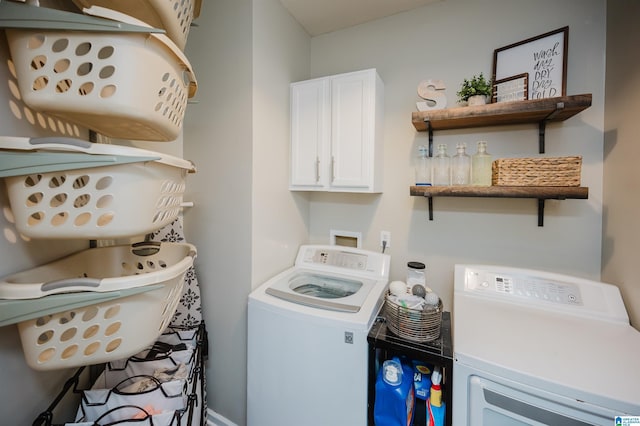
{"x":385,"y":236}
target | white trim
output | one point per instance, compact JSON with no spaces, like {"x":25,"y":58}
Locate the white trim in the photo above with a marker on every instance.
{"x":215,"y":419}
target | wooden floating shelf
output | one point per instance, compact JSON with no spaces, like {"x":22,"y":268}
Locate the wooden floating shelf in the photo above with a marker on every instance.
{"x":502,"y":113}
{"x":541,"y":193}
{"x":537,"y":192}
{"x":538,"y":111}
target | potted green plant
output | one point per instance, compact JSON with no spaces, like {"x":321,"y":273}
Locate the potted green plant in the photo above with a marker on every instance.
{"x":475,"y":91}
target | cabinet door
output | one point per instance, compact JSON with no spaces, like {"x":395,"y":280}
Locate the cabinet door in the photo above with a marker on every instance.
{"x":310,"y":133}
{"x":352,"y":130}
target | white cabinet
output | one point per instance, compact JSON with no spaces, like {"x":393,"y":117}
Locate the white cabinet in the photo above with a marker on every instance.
{"x":336,"y":136}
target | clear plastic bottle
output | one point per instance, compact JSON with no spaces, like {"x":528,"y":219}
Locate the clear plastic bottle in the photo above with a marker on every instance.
{"x":423,"y":167}
{"x":481,"y":166}
{"x":461,"y":166}
{"x":442,"y":167}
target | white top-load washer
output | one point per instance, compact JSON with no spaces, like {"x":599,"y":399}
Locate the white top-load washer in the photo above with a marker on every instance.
{"x":307,"y":338}
{"x":539,"y":348}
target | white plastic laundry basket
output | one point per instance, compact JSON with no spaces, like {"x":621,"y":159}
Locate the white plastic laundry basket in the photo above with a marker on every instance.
{"x":109,"y":201}
{"x":122,"y":85}
{"x":104,"y":331}
{"x":174,"y":16}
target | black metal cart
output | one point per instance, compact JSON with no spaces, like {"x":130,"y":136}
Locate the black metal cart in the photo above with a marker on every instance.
{"x":383,"y":344}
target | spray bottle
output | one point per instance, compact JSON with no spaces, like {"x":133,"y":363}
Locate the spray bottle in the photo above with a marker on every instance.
{"x":435,"y":406}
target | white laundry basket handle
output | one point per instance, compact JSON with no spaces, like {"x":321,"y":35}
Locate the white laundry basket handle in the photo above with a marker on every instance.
{"x":78,"y":284}
{"x":70,"y":144}
{"x":15,"y":311}
{"x":55,"y":143}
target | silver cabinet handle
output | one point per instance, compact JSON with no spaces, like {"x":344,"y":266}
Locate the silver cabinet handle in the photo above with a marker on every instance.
{"x":333,"y":170}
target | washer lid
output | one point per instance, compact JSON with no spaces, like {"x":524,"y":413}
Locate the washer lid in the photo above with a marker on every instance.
{"x":323,"y":291}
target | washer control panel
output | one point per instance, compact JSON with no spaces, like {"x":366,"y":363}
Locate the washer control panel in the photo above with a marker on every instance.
{"x":343,"y":258}
{"x":524,"y":286}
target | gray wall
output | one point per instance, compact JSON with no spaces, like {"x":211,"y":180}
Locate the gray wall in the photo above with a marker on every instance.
{"x":451,"y":40}
{"x":621,"y":232}
{"x":245,"y":223}
{"x":218,"y":138}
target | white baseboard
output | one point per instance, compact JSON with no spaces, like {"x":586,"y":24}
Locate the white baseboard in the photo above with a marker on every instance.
{"x":215,"y":419}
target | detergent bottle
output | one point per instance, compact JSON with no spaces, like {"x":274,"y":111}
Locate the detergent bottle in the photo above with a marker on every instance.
{"x":395,"y":397}
{"x":435,"y":406}
{"x":422,"y":379}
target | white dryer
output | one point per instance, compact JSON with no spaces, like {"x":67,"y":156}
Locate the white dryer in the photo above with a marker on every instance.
{"x":307,"y":338}
{"x":539,"y":348}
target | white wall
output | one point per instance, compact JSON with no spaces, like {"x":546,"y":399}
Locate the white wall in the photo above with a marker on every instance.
{"x":621,"y":232}
{"x":451,"y":40}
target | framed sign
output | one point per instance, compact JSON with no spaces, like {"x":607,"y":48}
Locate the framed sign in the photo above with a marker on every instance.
{"x":543,"y":57}
{"x":510,"y":89}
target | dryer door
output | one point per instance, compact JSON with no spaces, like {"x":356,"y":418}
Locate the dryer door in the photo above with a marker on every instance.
{"x":496,"y":401}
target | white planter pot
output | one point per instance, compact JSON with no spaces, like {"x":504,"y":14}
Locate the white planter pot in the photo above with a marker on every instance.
{"x":477,"y":100}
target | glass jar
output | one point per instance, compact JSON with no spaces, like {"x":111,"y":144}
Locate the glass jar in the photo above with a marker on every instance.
{"x":441,"y":167}
{"x":461,"y":166}
{"x":415,"y":274}
{"x":481,"y":166}
{"x":423,"y":167}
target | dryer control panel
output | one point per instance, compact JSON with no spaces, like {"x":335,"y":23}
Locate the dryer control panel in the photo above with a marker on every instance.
{"x":542,"y":289}
{"x":524,"y":286}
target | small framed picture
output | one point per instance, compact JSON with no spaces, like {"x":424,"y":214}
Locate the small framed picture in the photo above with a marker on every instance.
{"x":543,"y":58}
{"x":515,"y":88}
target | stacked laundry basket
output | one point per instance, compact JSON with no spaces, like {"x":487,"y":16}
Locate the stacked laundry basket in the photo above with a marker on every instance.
{"x":118,"y":69}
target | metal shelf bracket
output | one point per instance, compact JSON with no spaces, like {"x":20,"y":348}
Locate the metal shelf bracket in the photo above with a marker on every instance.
{"x":540,"y":209}
{"x":541,"y":129}
{"x":541,"y":212}
{"x":430,"y":130}
{"x":543,"y":124}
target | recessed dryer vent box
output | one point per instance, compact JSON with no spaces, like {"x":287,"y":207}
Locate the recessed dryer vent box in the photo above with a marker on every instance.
{"x":346,"y":238}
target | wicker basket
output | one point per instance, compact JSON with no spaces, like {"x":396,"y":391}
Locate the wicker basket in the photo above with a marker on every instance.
{"x":413,"y":324}
{"x":553,"y":171}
